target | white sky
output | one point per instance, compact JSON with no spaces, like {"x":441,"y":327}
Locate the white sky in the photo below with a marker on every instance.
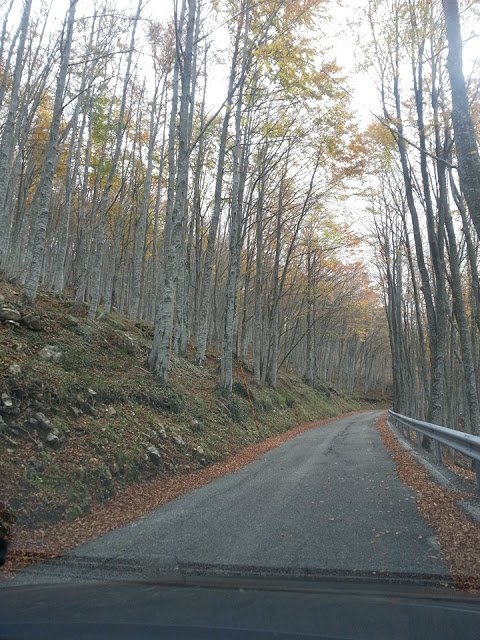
{"x":343,"y":35}
{"x":340,"y":40}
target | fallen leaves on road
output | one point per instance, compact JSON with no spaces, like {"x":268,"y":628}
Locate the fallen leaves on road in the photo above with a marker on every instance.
{"x":30,"y":546}
{"x":458,"y":535}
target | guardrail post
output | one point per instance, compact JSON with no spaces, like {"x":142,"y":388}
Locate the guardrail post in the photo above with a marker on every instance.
{"x":437,"y":451}
{"x":477,"y":474}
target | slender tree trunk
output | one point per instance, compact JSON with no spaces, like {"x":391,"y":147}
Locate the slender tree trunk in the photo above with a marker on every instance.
{"x":172,"y":172}
{"x":236,"y":211}
{"x":8,"y":139}
{"x":138,"y":268}
{"x":164,"y":321}
{"x":104,"y":202}
{"x":466,"y":145}
{"x":205,"y":284}
{"x":40,"y":206}
{"x":258,"y":304}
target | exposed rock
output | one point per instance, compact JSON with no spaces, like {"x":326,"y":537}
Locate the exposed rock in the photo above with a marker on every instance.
{"x":12,"y":324}
{"x":32,"y":423}
{"x":125,"y":342}
{"x":132,"y":347}
{"x":6,"y":400}
{"x":115,"y":469}
{"x":11,"y":441}
{"x":111,"y":411}
{"x":162,"y":432}
{"x":42,"y":421}
{"x":9,"y":314}
{"x":91,"y":392}
{"x":196,"y":425}
{"x":178,"y":439}
{"x":15,"y":370}
{"x":89,"y":409}
{"x":154,"y":454}
{"x":76,"y":411}
{"x":51,"y":353}
{"x":199,"y":455}
{"x":72,"y":321}
{"x":106,"y":477}
{"x":32,"y":322}
{"x":52,"y":439}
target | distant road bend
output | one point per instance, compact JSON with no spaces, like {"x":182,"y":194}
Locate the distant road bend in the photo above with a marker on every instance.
{"x":328,"y":500}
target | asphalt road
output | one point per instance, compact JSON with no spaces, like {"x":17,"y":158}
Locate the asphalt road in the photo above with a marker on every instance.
{"x":328,"y":500}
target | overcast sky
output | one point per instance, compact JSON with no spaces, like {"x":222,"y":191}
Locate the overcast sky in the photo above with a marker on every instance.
{"x":341,"y":34}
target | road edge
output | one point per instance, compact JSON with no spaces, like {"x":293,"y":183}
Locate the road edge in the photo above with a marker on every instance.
{"x":457,"y":533}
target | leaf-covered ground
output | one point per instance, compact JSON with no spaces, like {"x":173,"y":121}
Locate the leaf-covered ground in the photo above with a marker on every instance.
{"x":458,"y":535}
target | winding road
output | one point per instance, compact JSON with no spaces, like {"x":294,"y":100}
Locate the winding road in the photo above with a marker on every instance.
{"x":328,"y":500}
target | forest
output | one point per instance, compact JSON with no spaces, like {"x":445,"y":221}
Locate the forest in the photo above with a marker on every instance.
{"x":201,"y":167}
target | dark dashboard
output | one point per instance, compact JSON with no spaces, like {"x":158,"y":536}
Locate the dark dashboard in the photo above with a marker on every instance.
{"x":236,"y":608}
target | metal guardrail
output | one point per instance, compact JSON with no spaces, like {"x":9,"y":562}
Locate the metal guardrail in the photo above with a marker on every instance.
{"x":462,"y":442}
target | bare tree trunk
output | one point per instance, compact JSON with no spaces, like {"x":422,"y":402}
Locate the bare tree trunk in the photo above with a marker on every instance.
{"x":276,"y":293}
{"x":310,"y":320}
{"x":40,"y":206}
{"x":138,"y":268}
{"x":205,"y":284}
{"x":258,"y":304}
{"x":164,"y":321}
{"x":103,"y":205}
{"x":72,"y":172}
{"x":466,"y":145}
{"x":8,"y":140}
{"x":172,"y":173}
{"x":181,"y":320}
{"x":235,"y":239}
